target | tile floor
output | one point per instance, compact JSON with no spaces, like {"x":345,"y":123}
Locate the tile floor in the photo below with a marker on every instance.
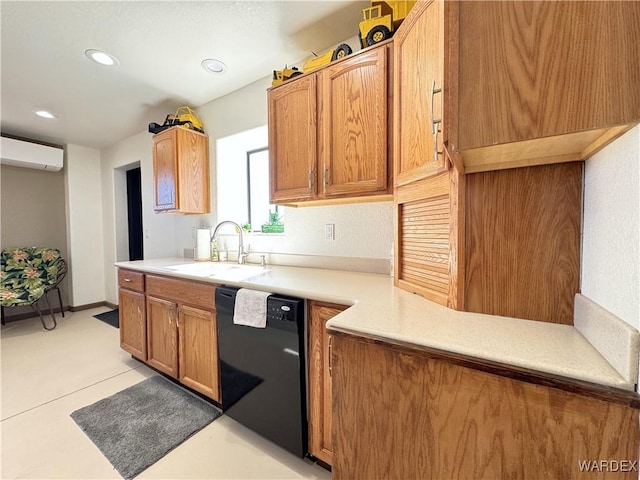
{"x":47,"y":375}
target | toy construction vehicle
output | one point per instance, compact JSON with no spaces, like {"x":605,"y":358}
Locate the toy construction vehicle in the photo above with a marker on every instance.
{"x":280,"y":76}
{"x":184,"y":116}
{"x":381,"y":20}
{"x":339,"y":52}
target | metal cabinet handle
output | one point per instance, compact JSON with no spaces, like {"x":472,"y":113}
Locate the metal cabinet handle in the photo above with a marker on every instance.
{"x":310,"y":178}
{"x":127,"y":279}
{"x":435,"y":122}
{"x":170,"y":317}
{"x":139,"y":307}
{"x":330,"y":339}
{"x":325,"y":175}
{"x":178,"y":318}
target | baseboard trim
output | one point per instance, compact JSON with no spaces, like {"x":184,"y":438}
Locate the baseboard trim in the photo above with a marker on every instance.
{"x":67,"y":308}
{"x":21,"y":316}
{"x":79,"y":308}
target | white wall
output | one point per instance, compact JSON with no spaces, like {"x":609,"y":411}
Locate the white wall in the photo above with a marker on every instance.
{"x":83,"y":194}
{"x":157,"y":228}
{"x":611,"y":231}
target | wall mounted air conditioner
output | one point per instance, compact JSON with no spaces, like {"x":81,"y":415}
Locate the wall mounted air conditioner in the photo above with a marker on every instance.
{"x":20,"y":153}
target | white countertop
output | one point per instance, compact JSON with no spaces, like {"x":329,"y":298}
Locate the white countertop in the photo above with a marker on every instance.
{"x":382,"y":310}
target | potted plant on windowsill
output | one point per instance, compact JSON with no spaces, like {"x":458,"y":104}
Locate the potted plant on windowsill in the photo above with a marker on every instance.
{"x":275,"y":225}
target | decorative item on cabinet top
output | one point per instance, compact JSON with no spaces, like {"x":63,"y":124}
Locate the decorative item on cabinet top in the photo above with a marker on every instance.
{"x":184,"y":116}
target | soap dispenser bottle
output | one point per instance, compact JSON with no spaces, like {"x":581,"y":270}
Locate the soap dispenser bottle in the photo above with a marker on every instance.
{"x":215,"y":254}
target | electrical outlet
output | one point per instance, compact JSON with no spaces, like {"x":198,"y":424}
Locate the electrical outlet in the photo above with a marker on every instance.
{"x":330,"y":231}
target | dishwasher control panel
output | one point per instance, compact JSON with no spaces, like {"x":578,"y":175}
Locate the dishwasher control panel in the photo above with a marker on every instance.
{"x":283,"y":309}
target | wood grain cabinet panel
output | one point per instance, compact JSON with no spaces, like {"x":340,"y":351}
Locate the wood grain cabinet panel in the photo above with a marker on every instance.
{"x":320,"y":405}
{"x":403,"y":413}
{"x":329,"y":132}
{"x":132,"y":323}
{"x":418,"y":67}
{"x":523,"y":242}
{"x":181,"y":171}
{"x":293,"y":140}
{"x":198,"y":350}
{"x":518,"y":83}
{"x":354,"y":125}
{"x":162,"y":335}
{"x":537,"y":69}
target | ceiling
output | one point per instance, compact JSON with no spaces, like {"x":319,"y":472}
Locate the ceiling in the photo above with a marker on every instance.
{"x":160,"y":45}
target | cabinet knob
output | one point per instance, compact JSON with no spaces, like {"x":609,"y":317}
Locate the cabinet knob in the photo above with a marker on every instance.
{"x":127,"y":279}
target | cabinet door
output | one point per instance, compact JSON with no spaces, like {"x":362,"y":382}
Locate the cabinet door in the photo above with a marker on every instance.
{"x":162,"y":335}
{"x":133,"y":328}
{"x":320,"y":380}
{"x":198,"y":351}
{"x":418,"y":69}
{"x":293,"y":140}
{"x":538,"y":69}
{"x":430,"y":238}
{"x":354,"y":125}
{"x":192,"y":152}
{"x":165,"y":171}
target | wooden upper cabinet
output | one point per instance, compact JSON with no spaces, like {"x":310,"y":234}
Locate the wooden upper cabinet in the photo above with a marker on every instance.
{"x":537,"y":69}
{"x":354,"y":125}
{"x":181,"y":171}
{"x":329,"y":131}
{"x":293,"y":140}
{"x":165,"y":171}
{"x":418,"y":94}
{"x":522,"y":83}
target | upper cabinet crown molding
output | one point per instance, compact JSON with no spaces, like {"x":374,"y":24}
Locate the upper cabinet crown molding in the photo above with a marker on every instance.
{"x":181,"y":171}
{"x":329,"y":133}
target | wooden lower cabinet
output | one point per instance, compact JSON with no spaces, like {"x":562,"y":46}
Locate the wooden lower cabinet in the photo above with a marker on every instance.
{"x":198,"y":350}
{"x":183,"y":343}
{"x":133,"y":328}
{"x":320,"y":444}
{"x":162,"y":335}
{"x":401,"y":412}
{"x":173,"y":328}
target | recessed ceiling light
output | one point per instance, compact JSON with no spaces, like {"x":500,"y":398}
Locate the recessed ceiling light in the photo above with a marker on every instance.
{"x":212,"y":65}
{"x":45,"y":114}
{"x":103,"y":58}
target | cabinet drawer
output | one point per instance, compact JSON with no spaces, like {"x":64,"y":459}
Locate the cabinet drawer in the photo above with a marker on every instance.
{"x":182,"y":291}
{"x":131,"y":280}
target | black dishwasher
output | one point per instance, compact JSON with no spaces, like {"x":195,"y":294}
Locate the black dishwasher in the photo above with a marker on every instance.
{"x":263,"y":372}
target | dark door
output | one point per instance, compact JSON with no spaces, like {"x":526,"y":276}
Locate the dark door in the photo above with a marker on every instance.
{"x":134,"y":210}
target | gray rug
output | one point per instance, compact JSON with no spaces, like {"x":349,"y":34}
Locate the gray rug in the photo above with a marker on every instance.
{"x":136,"y":427}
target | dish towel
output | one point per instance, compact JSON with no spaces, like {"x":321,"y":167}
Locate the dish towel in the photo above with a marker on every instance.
{"x":251,"y":308}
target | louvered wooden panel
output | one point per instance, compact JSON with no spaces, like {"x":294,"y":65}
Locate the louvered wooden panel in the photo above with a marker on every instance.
{"x":424,"y":233}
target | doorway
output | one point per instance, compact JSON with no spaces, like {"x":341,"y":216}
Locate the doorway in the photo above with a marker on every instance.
{"x":134,"y":213}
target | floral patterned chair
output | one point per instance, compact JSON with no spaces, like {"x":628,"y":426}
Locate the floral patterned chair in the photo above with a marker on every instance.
{"x":27,"y":275}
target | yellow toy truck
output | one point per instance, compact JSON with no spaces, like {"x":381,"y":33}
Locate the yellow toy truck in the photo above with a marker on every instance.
{"x":318,"y":61}
{"x":280,"y":76}
{"x":381,"y":20}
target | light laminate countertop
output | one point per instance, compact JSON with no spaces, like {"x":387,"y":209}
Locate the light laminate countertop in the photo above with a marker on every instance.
{"x":380,"y":310}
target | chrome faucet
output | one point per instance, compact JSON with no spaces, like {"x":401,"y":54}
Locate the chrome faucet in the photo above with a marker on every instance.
{"x":241,"y":253}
